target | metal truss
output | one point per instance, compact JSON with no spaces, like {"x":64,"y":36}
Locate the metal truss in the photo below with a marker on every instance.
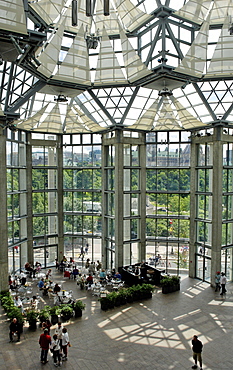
{"x":161,"y":46}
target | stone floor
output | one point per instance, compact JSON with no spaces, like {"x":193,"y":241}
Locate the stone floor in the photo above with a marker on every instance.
{"x":152,"y":334}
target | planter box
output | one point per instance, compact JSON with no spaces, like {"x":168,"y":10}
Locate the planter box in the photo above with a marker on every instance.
{"x":78,"y":313}
{"x":170,"y":289}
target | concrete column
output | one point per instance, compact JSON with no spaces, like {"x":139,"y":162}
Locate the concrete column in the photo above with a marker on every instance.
{"x":142,"y":204}
{"x":217,"y":204}
{"x":119,"y":200}
{"x":29,"y":256}
{"x":60,"y":198}
{"x":3,"y":216}
{"x":193,"y":207}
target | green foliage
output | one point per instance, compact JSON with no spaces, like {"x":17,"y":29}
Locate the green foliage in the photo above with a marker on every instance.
{"x":182,"y":260}
{"x":66,"y":311}
{"x":32,"y":315}
{"x":55,"y":310}
{"x":79,"y":305}
{"x":44,"y":314}
{"x":168,"y":281}
{"x":124,"y":295}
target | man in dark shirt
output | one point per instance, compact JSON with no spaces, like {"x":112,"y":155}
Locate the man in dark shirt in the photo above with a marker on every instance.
{"x":197,"y":349}
{"x":44,"y":341}
{"x":14,"y":329}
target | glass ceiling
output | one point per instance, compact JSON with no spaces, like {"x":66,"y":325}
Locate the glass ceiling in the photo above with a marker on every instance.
{"x":148,"y":65}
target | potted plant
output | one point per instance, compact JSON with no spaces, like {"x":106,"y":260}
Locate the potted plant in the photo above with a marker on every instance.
{"x":7,"y":302}
{"x":44,"y":314}
{"x":32,"y":317}
{"x":66,"y":312}
{"x":54,"y":312}
{"x":78,"y":307}
{"x":108,"y":301}
{"x":121,"y":297}
{"x":147,"y":290}
{"x":170,"y":284}
{"x":15,"y":312}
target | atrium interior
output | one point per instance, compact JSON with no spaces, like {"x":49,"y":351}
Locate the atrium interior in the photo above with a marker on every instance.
{"x":116,"y":133}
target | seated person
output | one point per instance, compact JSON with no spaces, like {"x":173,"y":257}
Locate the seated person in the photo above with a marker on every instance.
{"x":14,"y":329}
{"x":81,"y":281}
{"x":38,"y":266}
{"x":45,"y":288}
{"x":12,"y":284}
{"x":18,"y":303}
{"x":33,"y":302}
{"x":87,"y":264}
{"x":98,"y":265}
{"x":22,"y":278}
{"x":117,"y":276}
{"x":89,"y":280}
{"x":75,"y":272}
{"x":41,"y":284}
{"x":64,"y":259}
{"x":57,"y":288}
{"x":49,"y":273}
{"x":102,"y":275}
{"x":30,"y":269}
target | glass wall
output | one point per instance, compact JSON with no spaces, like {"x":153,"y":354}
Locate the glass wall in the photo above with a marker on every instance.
{"x":168,"y":200}
{"x":82,"y":184}
{"x":16,"y":197}
{"x":44,"y":198}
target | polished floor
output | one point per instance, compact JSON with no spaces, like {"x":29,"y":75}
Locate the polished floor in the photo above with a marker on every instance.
{"x":152,"y":334}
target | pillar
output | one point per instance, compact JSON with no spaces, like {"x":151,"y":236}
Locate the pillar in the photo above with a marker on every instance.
{"x":3,"y":216}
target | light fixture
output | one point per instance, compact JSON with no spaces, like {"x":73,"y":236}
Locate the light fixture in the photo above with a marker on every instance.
{"x":230,"y":29}
{"x":74,"y":13}
{"x":162,"y":60}
{"x":61,"y":99}
{"x":165,"y":92}
{"x":106,"y":7}
{"x":92,"y":39}
{"x":88,"y":8}
{"x":1,"y":60}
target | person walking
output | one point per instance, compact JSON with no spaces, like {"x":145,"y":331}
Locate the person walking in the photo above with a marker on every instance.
{"x":44,"y":341}
{"x":223,"y":281}
{"x":197,"y":350}
{"x":217,"y":281}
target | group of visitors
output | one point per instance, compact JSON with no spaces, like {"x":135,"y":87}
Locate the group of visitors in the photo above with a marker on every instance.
{"x":58,"y":345}
{"x":220,"y":282}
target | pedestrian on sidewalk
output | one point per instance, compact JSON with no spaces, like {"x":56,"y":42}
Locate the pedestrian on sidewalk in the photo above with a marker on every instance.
{"x":197,"y":350}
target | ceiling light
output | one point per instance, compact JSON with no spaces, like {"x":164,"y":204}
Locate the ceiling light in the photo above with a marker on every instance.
{"x":60,"y":98}
{"x":165,"y":92}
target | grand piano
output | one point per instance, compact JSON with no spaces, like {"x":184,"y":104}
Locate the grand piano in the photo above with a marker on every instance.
{"x":141,"y":273}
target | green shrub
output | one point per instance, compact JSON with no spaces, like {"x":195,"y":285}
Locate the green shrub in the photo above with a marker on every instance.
{"x":133,"y":293}
{"x":168,"y":281}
